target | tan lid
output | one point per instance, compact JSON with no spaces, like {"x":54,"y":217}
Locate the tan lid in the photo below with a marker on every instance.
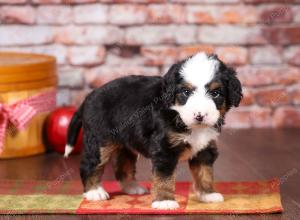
{"x":20,"y":71}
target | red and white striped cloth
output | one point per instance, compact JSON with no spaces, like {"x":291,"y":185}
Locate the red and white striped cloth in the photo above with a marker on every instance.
{"x":21,"y":112}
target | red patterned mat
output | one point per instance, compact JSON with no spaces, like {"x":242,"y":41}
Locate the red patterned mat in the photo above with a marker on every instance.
{"x":29,"y":197}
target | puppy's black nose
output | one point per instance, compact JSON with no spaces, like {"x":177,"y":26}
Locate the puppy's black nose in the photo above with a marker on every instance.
{"x":199,"y":118}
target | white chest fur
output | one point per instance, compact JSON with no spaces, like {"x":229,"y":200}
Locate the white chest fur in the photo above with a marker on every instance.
{"x":200,"y":137}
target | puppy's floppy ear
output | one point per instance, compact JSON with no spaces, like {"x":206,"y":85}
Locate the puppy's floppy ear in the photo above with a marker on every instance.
{"x":170,"y":76}
{"x":169,"y":83}
{"x":234,"y":88}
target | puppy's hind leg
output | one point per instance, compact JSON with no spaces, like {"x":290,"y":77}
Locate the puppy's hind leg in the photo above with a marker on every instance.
{"x":92,"y":168}
{"x":125,"y":161}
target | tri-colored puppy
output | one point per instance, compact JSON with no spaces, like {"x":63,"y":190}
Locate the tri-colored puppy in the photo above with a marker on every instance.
{"x":168,"y":119}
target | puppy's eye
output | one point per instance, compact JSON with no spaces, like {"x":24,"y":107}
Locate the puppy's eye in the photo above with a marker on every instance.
{"x":186,"y":92}
{"x":215,"y":93}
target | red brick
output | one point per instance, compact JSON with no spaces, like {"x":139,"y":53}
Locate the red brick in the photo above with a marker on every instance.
{"x":266,"y":55}
{"x":113,"y":59}
{"x":268,"y":1}
{"x":47,"y":1}
{"x":185,"y":34}
{"x":248,"y":97}
{"x":133,"y":1}
{"x":296,"y":12}
{"x":25,"y":35}
{"x":63,"y":1}
{"x":189,"y":50}
{"x":17,"y":14}
{"x":91,"y":13}
{"x":58,"y":51}
{"x":164,"y":14}
{"x":294,"y":94}
{"x":123,"y":55}
{"x":232,"y":16}
{"x":286,"y":117}
{"x":238,"y":119}
{"x":89,"y":35}
{"x":159,"y":55}
{"x":201,"y":14}
{"x":12,"y":1}
{"x":246,"y":117}
{"x":263,"y":75}
{"x":71,"y":35}
{"x":282,"y":35}
{"x":69,"y":77}
{"x":207,"y":1}
{"x":236,"y":14}
{"x":86,"y":55}
{"x":288,"y":75}
{"x":54,"y":14}
{"x":98,"y":76}
{"x":233,"y":55}
{"x":148,"y":34}
{"x":272,"y":96}
{"x":229,"y":34}
{"x":270,"y":14}
{"x":257,"y":76}
{"x":292,"y":55}
{"x":221,"y":15}
{"x":127,"y":14}
{"x":78,"y":1}
{"x":261,"y":117}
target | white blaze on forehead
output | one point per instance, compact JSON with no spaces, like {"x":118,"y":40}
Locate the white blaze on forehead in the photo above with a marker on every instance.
{"x":199,"y":69}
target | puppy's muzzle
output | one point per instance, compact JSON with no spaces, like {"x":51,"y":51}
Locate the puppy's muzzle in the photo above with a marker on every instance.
{"x":199,"y":117}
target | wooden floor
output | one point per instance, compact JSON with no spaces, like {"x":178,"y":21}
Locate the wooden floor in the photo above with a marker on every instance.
{"x":244,"y":155}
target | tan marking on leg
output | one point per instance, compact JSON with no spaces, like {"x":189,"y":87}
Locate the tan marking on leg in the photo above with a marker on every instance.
{"x":128,"y":170}
{"x":163,"y":188}
{"x":94,"y":180}
{"x":125,"y":168}
{"x":186,"y":154}
{"x":105,"y":154}
{"x":203,"y":177}
{"x":124,"y":165}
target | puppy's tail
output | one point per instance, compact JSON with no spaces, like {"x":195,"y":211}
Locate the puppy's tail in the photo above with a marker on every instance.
{"x":73,"y":131}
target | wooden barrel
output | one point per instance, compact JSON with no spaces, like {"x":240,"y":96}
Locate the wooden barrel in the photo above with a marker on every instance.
{"x":23,"y":76}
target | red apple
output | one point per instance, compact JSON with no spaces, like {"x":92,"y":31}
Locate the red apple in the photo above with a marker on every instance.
{"x":56,"y":129}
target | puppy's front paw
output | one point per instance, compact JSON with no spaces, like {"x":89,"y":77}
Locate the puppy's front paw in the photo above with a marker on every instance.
{"x":210,"y":197}
{"x":96,"y":194}
{"x":165,"y":204}
{"x":133,"y":188}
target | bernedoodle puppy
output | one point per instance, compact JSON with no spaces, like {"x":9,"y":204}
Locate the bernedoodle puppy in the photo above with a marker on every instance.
{"x":173,"y":118}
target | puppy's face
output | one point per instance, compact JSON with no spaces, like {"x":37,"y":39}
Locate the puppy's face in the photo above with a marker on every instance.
{"x":202,"y":89}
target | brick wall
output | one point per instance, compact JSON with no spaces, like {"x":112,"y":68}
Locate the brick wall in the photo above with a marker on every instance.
{"x":98,"y":40}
